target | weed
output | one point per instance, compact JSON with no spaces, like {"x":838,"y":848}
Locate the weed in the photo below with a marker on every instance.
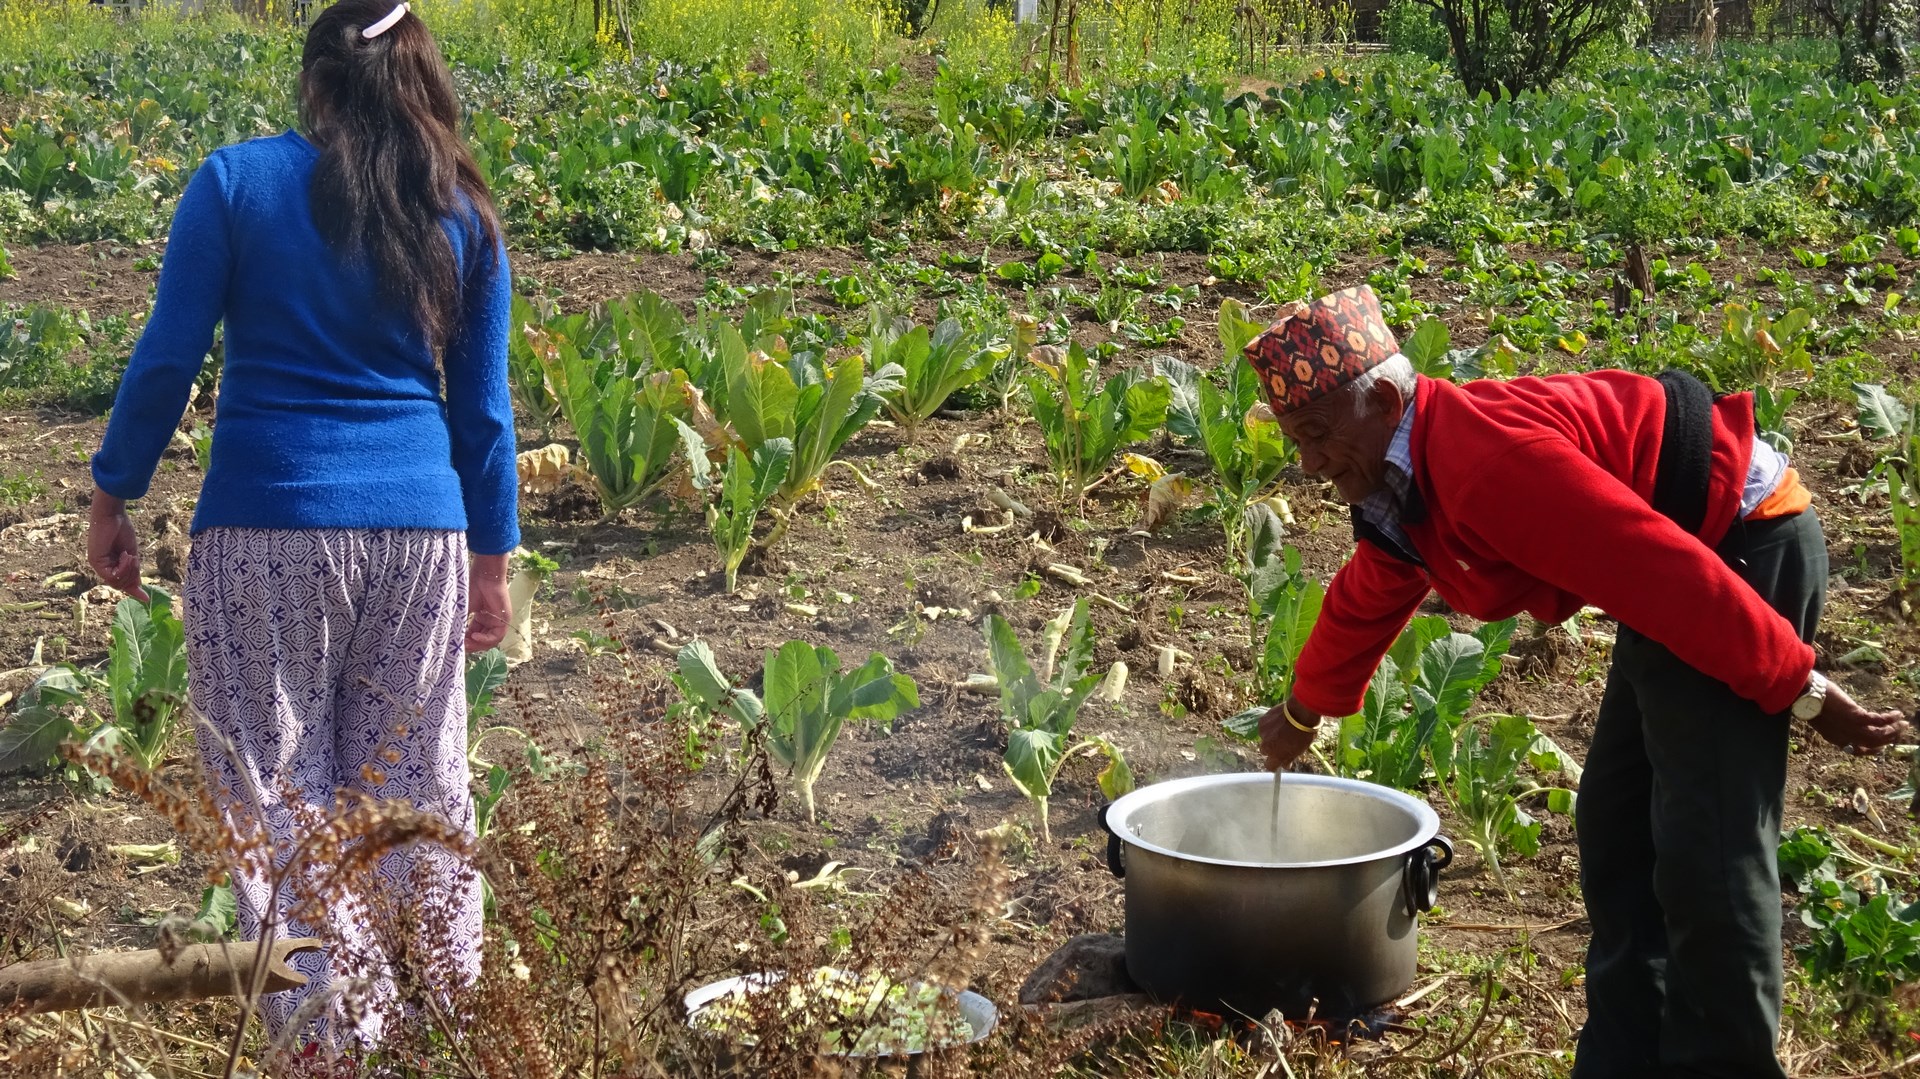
{"x":20,"y":489}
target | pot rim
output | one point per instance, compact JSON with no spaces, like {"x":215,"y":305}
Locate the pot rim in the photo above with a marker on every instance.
{"x":1426,"y":821}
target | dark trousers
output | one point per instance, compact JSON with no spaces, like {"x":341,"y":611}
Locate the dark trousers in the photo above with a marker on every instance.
{"x":1679,"y":829}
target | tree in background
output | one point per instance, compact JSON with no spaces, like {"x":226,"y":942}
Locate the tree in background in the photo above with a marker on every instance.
{"x":1872,"y":36}
{"x":1520,"y":45}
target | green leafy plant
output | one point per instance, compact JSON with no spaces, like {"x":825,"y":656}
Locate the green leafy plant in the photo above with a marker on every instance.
{"x":530,"y":346}
{"x":202,"y":438}
{"x":1086,"y":421}
{"x":486,"y":673}
{"x":1885,"y":418}
{"x":1770,"y":416}
{"x":1283,"y":605}
{"x":1864,"y":933}
{"x":815,"y":405}
{"x":218,"y":916}
{"x":806,"y":701}
{"x":933,"y":366}
{"x":1429,"y":677}
{"x":1131,"y":154}
{"x":43,"y":718}
{"x":1232,"y":425}
{"x":1429,"y":352}
{"x":146,"y":679}
{"x":1755,"y":350}
{"x":708,"y":700}
{"x":1041,"y":707}
{"x":620,"y":403}
{"x":745,"y":487}
{"x":1115,"y":303}
{"x":145,"y":682}
{"x":1477,"y":765}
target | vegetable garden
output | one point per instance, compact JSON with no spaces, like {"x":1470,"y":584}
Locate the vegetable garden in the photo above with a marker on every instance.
{"x":893,"y":498}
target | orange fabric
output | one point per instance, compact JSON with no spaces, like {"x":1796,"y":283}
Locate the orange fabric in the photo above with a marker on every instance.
{"x":1789,"y":498}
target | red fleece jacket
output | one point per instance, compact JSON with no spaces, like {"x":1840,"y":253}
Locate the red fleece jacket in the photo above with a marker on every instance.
{"x":1538,"y":495}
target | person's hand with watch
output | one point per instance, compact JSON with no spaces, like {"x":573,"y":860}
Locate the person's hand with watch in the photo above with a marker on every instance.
{"x":1840,"y":720}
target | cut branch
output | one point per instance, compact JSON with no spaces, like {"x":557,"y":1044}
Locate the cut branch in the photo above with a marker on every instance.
{"x":198,"y":972}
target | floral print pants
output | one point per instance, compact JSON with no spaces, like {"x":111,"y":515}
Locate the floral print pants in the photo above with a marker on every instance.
{"x":329,"y":661}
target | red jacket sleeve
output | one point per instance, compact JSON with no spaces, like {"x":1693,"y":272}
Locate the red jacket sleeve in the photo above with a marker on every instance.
{"x":1549,"y":510}
{"x":1367,"y":605}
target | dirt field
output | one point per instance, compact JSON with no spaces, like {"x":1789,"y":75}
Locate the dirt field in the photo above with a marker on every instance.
{"x":894,"y":572}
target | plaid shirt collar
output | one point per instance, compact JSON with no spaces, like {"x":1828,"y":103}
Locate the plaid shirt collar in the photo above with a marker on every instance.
{"x":1383,"y":508}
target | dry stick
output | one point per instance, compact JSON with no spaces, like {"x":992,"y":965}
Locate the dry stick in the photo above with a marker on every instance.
{"x":86,"y":1018}
{"x":161,"y":1032}
{"x":156,"y":1049}
{"x":1894,"y":1070}
{"x":1566,"y":1020}
{"x":1511,"y":1053}
{"x":1486,"y":1009}
{"x":1419,"y":994}
{"x":453,"y":1040}
{"x":1479,"y":927}
{"x":1110,"y":474}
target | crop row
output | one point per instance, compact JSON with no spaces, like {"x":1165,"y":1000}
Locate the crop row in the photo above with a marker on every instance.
{"x":625,"y":155}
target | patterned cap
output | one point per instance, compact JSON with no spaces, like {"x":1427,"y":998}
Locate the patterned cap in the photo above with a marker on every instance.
{"x":1316,"y":348}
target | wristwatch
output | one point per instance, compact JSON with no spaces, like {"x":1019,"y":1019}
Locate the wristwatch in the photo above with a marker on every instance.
{"x":1812,"y":699}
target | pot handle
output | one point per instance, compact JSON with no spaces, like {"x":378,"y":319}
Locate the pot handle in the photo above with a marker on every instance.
{"x":1423,"y":874}
{"x":1116,"y":861}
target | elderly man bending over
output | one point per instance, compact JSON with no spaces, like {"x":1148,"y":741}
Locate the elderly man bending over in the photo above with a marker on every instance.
{"x":1653,"y":500}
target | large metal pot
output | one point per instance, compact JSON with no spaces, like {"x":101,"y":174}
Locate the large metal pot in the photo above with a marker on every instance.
{"x":1228,"y":914}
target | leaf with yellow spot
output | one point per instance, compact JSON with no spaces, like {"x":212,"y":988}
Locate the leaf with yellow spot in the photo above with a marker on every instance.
{"x":1144,"y":467}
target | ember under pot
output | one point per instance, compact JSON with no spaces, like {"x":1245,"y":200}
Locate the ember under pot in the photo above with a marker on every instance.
{"x":1227,"y":914}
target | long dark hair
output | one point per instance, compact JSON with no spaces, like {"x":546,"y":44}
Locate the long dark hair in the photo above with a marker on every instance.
{"x":393,"y":165}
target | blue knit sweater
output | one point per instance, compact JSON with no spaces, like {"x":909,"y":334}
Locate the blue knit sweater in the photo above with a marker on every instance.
{"x":331,"y":413}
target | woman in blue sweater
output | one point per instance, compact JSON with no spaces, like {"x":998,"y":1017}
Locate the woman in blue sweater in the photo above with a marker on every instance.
{"x":352,"y":533}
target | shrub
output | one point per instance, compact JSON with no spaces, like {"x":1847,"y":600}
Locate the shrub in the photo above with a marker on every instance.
{"x":1414,"y":29}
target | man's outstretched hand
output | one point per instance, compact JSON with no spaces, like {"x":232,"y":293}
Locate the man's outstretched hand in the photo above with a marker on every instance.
{"x":1844,"y":723}
{"x":1281,"y":741}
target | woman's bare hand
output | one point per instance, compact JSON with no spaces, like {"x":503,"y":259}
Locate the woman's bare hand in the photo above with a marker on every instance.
{"x":113,"y":545}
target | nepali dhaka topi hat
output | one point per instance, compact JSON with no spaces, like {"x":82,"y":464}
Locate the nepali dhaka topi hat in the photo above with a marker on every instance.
{"x":1316,"y":348}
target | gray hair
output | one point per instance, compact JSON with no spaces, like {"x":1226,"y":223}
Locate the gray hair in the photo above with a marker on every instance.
{"x":1397,"y":369}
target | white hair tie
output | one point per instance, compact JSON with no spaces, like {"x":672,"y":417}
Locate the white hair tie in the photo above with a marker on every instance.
{"x":393,"y":19}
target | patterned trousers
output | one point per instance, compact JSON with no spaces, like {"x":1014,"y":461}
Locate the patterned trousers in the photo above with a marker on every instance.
{"x":324,"y":661}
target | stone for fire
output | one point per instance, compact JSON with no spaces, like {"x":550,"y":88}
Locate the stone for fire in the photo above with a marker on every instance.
{"x":1087,"y":967}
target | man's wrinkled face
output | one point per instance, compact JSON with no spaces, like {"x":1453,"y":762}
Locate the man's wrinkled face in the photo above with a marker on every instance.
{"x":1344,"y":444}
